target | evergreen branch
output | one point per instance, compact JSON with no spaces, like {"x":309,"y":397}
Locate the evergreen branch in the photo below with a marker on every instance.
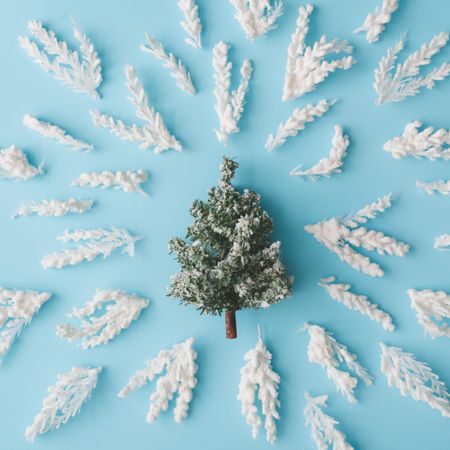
{"x":54,"y":208}
{"x":191,"y":23}
{"x":442,"y":242}
{"x":14,"y":165}
{"x":369,"y":211}
{"x":440,"y":186}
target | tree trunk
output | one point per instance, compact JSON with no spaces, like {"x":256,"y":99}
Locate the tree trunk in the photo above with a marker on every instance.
{"x":230,"y":324}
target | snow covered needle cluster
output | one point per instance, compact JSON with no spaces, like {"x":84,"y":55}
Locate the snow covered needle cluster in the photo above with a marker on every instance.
{"x":17,"y":309}
{"x":179,"y":362}
{"x":306,"y":66}
{"x":81,"y":71}
{"x":442,"y":242}
{"x":14,"y":165}
{"x":103,"y":317}
{"x":153,"y":133}
{"x":229,"y":105}
{"x":54,"y":208}
{"x":64,"y":400}
{"x":414,"y":378}
{"x":341,"y":235}
{"x":257,"y":17}
{"x":440,"y":186}
{"x":257,"y":374}
{"x":191,"y":23}
{"x":324,"y":350}
{"x":405,"y":81}
{"x":227,"y":261}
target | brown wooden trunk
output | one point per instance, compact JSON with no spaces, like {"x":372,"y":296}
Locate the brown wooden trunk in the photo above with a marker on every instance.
{"x":230,"y":324}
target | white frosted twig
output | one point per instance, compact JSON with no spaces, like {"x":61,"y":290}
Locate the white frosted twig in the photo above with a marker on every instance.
{"x":341,"y":235}
{"x":257,"y":375}
{"x":440,"y":186}
{"x":179,"y":362}
{"x":342,"y":294}
{"x":129,"y":181}
{"x":64,"y":400}
{"x":153,"y":133}
{"x":54,"y":208}
{"x":297,"y":122}
{"x":191,"y":23}
{"x":17,"y":309}
{"x":51,"y":131}
{"x":376,"y":21}
{"x":257,"y":17}
{"x":306,"y":66}
{"x":103,"y":317}
{"x":442,"y":242}
{"x":324,"y":350}
{"x":428,"y":143}
{"x":405,"y":81}
{"x":176,"y":67}
{"x":323,"y":426}
{"x":229,"y":105}
{"x":14,"y":165}
{"x":81,"y":71}
{"x":414,"y":378}
{"x":97,"y":241}
{"x":432,"y":310}
{"x":332,"y":163}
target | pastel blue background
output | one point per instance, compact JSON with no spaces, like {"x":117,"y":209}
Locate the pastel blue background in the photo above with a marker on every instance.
{"x":382,"y":419}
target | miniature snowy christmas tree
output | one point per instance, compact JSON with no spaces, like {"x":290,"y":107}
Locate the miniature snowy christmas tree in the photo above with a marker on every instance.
{"x":324,"y":350}
{"x":103,"y":317}
{"x":414,"y":378}
{"x":257,"y":374}
{"x":17,"y":309}
{"x":64,"y":400}
{"x":323,"y":426}
{"x":341,"y":235}
{"x":227,"y":261}
{"x":432,"y":310}
{"x":179,"y":362}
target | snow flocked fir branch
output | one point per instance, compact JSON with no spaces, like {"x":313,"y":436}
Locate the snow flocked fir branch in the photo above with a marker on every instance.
{"x":17,"y":309}
{"x":103,"y":317}
{"x":129,"y":181}
{"x":51,"y":131}
{"x":297,"y":122}
{"x":432,"y":310}
{"x":54,"y":207}
{"x":324,"y":350}
{"x":258,"y":375}
{"x":97,"y":241}
{"x":179,"y":363}
{"x":405,"y":81}
{"x":440,"y":186}
{"x":79,"y":70}
{"x":332,"y":163}
{"x":427,"y":143}
{"x":376,"y":21}
{"x":442,"y":242}
{"x":14,"y":165}
{"x":191,"y":23}
{"x":176,"y":67}
{"x":257,"y":17}
{"x":341,"y":235}
{"x":342,"y":294}
{"x":64,"y":400}
{"x":227,"y":261}
{"x":414,"y":378}
{"x":306,"y":66}
{"x":229,"y":105}
{"x":323,"y":426}
{"x":153,"y":133}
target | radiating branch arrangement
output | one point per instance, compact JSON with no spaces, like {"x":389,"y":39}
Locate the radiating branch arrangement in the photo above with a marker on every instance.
{"x":179,"y":363}
{"x":96,"y":242}
{"x":14,"y":165}
{"x":54,"y":207}
{"x":332,"y":163}
{"x":191,"y":23}
{"x":306,"y":66}
{"x":79,"y":70}
{"x":103,"y":317}
{"x":342,"y":235}
{"x":396,"y":83}
{"x":257,"y":17}
{"x":258,"y":375}
{"x":153,"y":134}
{"x":325,"y":350}
{"x":229,"y":105}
